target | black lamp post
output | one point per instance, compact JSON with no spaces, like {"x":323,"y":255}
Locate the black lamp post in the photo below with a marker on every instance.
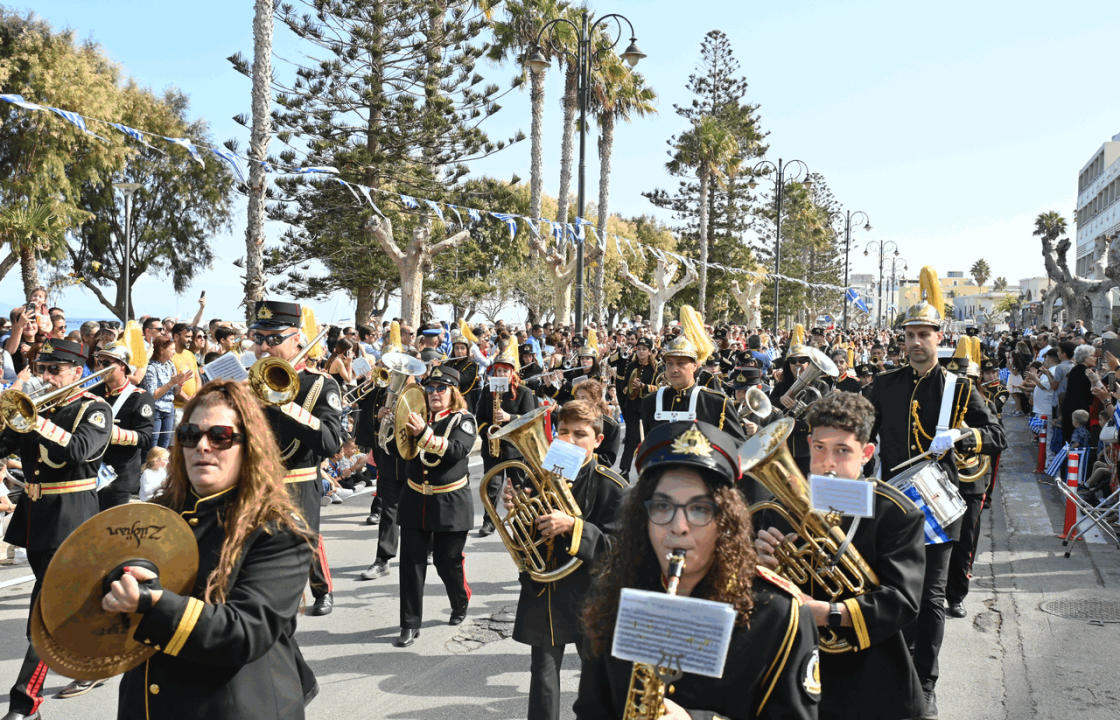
{"x":848,"y":217}
{"x":897,"y":263}
{"x":128,"y":190}
{"x":884,"y":246}
{"x":537,"y":62}
{"x":780,"y":171}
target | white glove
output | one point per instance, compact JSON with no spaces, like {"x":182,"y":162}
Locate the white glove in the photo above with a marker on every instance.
{"x":943,"y":441}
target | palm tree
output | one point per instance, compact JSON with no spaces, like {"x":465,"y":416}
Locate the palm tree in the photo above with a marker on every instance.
{"x":617,"y":94}
{"x":980,"y":272}
{"x":258,"y":151}
{"x":30,"y":230}
{"x":1000,"y":284}
{"x":711,"y":149}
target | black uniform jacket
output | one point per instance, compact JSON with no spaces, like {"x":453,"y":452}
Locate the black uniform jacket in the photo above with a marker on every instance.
{"x":548,"y":613}
{"x":878,"y":680}
{"x":712,"y":407}
{"x":771,"y":669}
{"x":468,"y":373}
{"x":646,"y":375}
{"x":710,"y":380}
{"x":612,"y":441}
{"x":238,"y":659}
{"x":849,"y":384}
{"x":365,"y":427}
{"x":618,"y":365}
{"x":84,"y":423}
{"x":516,"y":404}
{"x":907,"y":407}
{"x":442,"y":461}
{"x":305,"y":442}
{"x":136,"y":415}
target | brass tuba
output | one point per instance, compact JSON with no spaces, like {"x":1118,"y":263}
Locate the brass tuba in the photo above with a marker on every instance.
{"x":274,"y":381}
{"x":401,"y":366}
{"x":805,"y":389}
{"x":19,"y":411}
{"x":825,"y":559}
{"x":548,"y":492}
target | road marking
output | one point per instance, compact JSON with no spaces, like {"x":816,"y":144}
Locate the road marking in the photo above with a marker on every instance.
{"x":17,"y":581}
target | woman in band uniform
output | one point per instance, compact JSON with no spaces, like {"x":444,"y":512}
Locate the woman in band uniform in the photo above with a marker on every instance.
{"x":226,"y":650}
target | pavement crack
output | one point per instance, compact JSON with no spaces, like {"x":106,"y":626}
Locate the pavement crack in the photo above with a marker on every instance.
{"x":479,"y":632}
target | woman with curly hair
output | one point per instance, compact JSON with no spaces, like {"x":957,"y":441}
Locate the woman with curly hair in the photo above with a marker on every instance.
{"x":686,"y":499}
{"x":227,"y":649}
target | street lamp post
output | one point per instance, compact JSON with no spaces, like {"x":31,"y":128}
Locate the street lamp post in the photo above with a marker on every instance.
{"x":884,"y":246}
{"x":128,"y":190}
{"x":780,"y":170}
{"x":896,"y":263}
{"x":848,"y":216}
{"x":585,"y":32}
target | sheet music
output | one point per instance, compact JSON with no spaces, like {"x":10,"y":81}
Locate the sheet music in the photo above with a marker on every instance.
{"x":565,"y":459}
{"x":855,"y":498}
{"x":673,"y":631}
{"x":226,"y":367}
{"x":360,"y":366}
{"x":499,"y":384}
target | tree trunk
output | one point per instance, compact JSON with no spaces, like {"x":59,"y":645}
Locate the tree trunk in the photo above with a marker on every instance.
{"x":567,"y":140}
{"x":363,"y":304}
{"x":258,"y":153}
{"x":705,"y":181}
{"x":536,"y":148}
{"x":412,"y":280}
{"x":8,"y":263}
{"x":562,"y":276}
{"x":28,"y":270}
{"x":606,"y":142}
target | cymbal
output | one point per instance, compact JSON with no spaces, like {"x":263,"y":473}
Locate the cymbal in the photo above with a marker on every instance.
{"x":76,"y":634}
{"x":411,"y":399}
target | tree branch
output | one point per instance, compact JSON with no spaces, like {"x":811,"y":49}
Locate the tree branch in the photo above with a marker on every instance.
{"x":382,"y":231}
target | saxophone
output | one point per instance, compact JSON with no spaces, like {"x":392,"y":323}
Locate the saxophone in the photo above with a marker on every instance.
{"x":645,"y":698}
{"x":495,"y":444}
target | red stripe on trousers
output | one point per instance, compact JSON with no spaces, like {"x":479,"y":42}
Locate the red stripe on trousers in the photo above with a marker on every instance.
{"x":465,"y":585}
{"x":35,"y":687}
{"x":322,"y":550}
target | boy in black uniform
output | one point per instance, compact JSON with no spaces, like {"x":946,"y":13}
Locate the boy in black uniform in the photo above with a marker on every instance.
{"x":308,"y":429}
{"x":877,"y":680}
{"x":683,"y":399}
{"x":61,"y":450}
{"x":548,"y":613}
{"x":133,"y":422}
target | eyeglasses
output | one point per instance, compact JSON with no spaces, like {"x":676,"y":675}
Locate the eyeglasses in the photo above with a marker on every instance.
{"x":799,"y":360}
{"x":272,"y":340}
{"x":663,"y":512}
{"x":431,"y":389}
{"x":221,"y":437}
{"x":53,"y":369}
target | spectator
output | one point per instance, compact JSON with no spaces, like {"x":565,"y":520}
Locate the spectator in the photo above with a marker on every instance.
{"x":25,"y":330}
{"x":228,"y":339}
{"x":184,"y":361}
{"x":1078,"y":388}
{"x":198,"y":345}
{"x":88,"y":332}
{"x":1015,"y":384}
{"x":154,"y":473}
{"x":161,"y":380}
{"x":1081,"y":437}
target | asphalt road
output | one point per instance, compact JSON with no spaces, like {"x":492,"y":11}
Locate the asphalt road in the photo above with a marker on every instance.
{"x":1008,"y":659}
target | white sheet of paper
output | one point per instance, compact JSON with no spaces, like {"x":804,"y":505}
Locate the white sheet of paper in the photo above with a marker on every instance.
{"x":360,"y":366}
{"x":499,"y":384}
{"x":855,"y":498}
{"x":673,"y":631}
{"x":564,"y":459}
{"x":226,"y":367}
{"x":248,"y":358}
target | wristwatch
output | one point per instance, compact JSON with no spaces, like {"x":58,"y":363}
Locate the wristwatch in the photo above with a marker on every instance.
{"x":834,"y":615}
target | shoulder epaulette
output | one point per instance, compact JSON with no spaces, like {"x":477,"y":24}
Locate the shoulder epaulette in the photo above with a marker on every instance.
{"x":610,"y":473}
{"x":313,"y":370}
{"x":712,"y":390}
{"x":775,"y":579}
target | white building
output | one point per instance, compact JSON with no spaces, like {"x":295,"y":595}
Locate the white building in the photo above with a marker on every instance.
{"x":1098,"y":213}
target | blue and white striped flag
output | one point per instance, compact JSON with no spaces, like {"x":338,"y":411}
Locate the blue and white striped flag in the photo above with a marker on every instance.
{"x":316,"y":169}
{"x":18,"y":100}
{"x":435,"y":208}
{"x":1004,"y":375}
{"x":409,"y":202}
{"x":854,"y":298}
{"x":187,"y":145}
{"x":1036,"y":423}
{"x":132,"y":133}
{"x":230,"y":158}
{"x":1059,"y":466}
{"x":509,"y":220}
{"x":474,"y":215}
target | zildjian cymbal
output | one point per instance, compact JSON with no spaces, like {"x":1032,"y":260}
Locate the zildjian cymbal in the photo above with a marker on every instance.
{"x":69,"y":629}
{"x":411,"y":400}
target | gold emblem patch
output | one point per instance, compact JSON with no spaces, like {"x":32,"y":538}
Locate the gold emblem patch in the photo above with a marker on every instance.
{"x":811,"y":676}
{"x":46,"y":348}
{"x":97,"y":419}
{"x":692,"y":442}
{"x":264,"y":313}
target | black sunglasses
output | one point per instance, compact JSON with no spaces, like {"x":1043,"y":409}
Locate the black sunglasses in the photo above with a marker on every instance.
{"x":272,"y":340}
{"x":53,"y":369}
{"x":221,"y":437}
{"x":430,"y":389}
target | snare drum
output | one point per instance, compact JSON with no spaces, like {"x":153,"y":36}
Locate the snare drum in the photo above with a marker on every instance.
{"x":928,"y":485}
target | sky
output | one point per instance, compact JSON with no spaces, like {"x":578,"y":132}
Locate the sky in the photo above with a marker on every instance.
{"x":951,"y":125}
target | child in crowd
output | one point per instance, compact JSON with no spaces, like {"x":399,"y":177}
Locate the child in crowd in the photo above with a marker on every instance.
{"x":153,"y":473}
{"x":1081,"y":437}
{"x":1015,"y":386}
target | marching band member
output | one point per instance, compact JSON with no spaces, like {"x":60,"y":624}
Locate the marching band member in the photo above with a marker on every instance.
{"x":640,"y":380}
{"x":685,"y":499}
{"x":878,"y":680}
{"x":133,"y":423}
{"x":793,"y":364}
{"x":588,"y":367}
{"x":548,"y":613}
{"x":591,"y":391}
{"x":308,"y":429}
{"x":60,"y":456}
{"x":908,"y":410}
{"x":469,"y":385}
{"x":494,"y":410}
{"x":436,"y":506}
{"x":528,"y":359}
{"x":226,"y":651}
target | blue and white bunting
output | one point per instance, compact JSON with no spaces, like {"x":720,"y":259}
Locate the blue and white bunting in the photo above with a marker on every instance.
{"x":474,"y":215}
{"x":435,"y":208}
{"x":365,"y":193}
{"x":510,"y":221}
{"x":18,"y":100}
{"x":410,"y":202}
{"x":187,"y":145}
{"x":230,"y":158}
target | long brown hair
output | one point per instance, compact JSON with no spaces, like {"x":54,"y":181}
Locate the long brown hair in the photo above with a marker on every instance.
{"x":632,"y":561}
{"x":260,"y":499}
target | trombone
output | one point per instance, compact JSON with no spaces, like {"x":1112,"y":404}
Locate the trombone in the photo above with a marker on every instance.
{"x":19,"y":411}
{"x":379,"y":378}
{"x":274,"y":381}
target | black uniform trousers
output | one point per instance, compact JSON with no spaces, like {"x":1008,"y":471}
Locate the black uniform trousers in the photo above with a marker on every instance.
{"x":494,"y":488}
{"x":964,"y":549}
{"x":389,"y":486}
{"x":544,"y":682}
{"x":632,"y":416}
{"x":447,"y":556}
{"x":927,"y":631}
{"x":111,"y":496}
{"x":26,"y":695}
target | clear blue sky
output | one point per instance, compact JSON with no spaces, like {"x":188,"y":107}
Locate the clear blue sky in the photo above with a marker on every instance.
{"x":952,"y":125}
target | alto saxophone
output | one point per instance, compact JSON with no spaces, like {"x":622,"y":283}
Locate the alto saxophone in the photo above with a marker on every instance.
{"x":645,"y":698}
{"x":495,"y":444}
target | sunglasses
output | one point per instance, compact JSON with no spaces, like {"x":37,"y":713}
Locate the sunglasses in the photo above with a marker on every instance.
{"x":431,"y":389}
{"x":53,"y":369}
{"x":272,"y":340}
{"x":221,"y":437}
{"x":799,"y":360}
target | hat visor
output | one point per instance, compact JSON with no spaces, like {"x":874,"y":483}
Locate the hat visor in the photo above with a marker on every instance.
{"x":270,"y":325}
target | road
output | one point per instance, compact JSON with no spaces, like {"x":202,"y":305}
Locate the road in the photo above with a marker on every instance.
{"x":1009,"y":658}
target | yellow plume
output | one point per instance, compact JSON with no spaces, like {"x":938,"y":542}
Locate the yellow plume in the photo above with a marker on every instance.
{"x":310,"y":329}
{"x":798,"y":337}
{"x":692,"y":324}
{"x":464,"y":330}
{"x":977,"y":351}
{"x":394,"y":344}
{"x":133,"y":339}
{"x":963,"y":348}
{"x":592,"y":339}
{"x":851,"y":356}
{"x":931,"y":289}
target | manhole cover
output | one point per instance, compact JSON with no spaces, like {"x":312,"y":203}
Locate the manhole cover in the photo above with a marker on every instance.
{"x":1088,"y":609}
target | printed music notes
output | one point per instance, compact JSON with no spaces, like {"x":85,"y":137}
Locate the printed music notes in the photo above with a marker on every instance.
{"x":680,"y":633}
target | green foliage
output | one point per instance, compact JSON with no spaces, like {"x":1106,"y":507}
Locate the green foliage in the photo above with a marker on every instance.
{"x":980,"y":271}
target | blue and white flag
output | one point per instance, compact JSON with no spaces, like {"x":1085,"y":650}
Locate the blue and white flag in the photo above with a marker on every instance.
{"x":18,"y":100}
{"x":410,"y":202}
{"x":187,"y":145}
{"x":435,"y":208}
{"x":365,"y":193}
{"x":1059,"y":466}
{"x":854,"y":298}
{"x":474,"y":215}
{"x":316,"y":169}
{"x":1036,"y":423}
{"x":230,"y":158}
{"x":75,"y":119}
{"x":509,"y":220}
{"x":132,"y":133}
{"x":458,"y":217}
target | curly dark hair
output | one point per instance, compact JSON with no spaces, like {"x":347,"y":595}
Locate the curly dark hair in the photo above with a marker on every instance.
{"x":632,"y":562}
{"x":843,"y":411}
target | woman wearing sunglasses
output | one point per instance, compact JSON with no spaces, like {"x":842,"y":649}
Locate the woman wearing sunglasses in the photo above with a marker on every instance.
{"x":227,"y":650}
{"x":436,"y":506}
{"x":686,"y":500}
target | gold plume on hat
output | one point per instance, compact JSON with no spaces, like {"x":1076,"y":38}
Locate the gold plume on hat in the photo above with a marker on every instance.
{"x":692,"y":324}
{"x":931,"y":289}
{"x":592,"y":339}
{"x":310,"y":329}
{"x":798,"y":337}
{"x":133,"y":339}
{"x":465,"y":331}
{"x":394,"y":344}
{"x":508,"y":356}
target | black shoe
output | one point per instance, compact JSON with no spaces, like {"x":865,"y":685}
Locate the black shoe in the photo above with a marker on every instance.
{"x":486,"y":529}
{"x":78,"y":687}
{"x":323,"y":605}
{"x":930,"y":713}
{"x":373,"y":519}
{"x":376,"y":570}
{"x":17,"y":716}
{"x":956,"y":610}
{"x":407,"y":637}
{"x":457,"y":617}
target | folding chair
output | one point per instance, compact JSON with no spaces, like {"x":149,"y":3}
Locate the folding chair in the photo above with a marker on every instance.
{"x":1089,"y":515}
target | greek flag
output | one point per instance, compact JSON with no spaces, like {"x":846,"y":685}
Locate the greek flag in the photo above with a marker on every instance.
{"x":18,"y":100}
{"x":316,"y":169}
{"x":230,"y":158}
{"x":435,"y":208}
{"x":1036,"y":423}
{"x":132,"y":133}
{"x":509,"y":220}
{"x":474,"y":215}
{"x":1059,"y":466}
{"x":934,"y":533}
{"x":854,"y":298}
{"x":410,"y":202}
{"x":187,"y":145}
{"x":1004,"y":374}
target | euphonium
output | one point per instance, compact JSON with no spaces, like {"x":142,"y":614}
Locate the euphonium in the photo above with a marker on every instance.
{"x":274,"y":381}
{"x":804,"y":390}
{"x":400,"y":367}
{"x":645,"y":698}
{"x":19,"y":411}
{"x":817,"y":561}
{"x":547,"y":492}
{"x":755,"y":404}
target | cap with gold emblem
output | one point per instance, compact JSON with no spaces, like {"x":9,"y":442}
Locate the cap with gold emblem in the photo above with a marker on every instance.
{"x":63,"y":351}
{"x":745,"y":377}
{"x":680,"y":346}
{"x":274,"y":314}
{"x":119,"y":352}
{"x":588,"y":351}
{"x":443,"y":375}
{"x":694,"y":444}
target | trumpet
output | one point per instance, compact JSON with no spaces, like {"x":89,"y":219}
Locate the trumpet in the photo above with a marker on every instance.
{"x":20,"y":411}
{"x":379,"y":378}
{"x":274,"y":380}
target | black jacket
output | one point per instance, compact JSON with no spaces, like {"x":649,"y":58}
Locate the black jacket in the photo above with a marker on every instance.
{"x":548,"y":613}
{"x":136,"y":415}
{"x":712,"y":407}
{"x":239,"y":659}
{"x":516,"y":404}
{"x":646,"y":375}
{"x":612,"y":441}
{"x":442,"y":461}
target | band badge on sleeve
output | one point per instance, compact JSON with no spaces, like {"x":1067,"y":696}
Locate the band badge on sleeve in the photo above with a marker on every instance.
{"x":467,"y":426}
{"x":146,"y":411}
{"x":811,"y":676}
{"x":334,"y":402}
{"x":97,"y":419}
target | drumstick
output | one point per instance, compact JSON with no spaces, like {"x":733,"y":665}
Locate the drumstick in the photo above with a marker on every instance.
{"x":911,"y":461}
